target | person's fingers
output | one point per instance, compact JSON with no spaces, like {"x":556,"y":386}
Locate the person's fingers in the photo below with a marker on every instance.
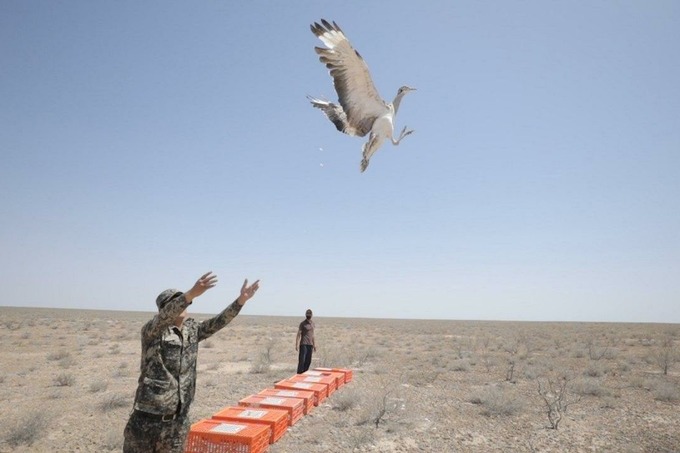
{"x":205,"y":275}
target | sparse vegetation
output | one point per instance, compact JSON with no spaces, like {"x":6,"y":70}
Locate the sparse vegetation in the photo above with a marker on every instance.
{"x":556,"y":396}
{"x":58,"y":355}
{"x":26,"y":430}
{"x":413,"y":383}
{"x":346,"y":400}
{"x":496,"y":400}
{"x":64,"y":380}
{"x":666,"y":391}
{"x":98,"y":386}
{"x":114,"y":401}
{"x":263,"y":362}
{"x":665,"y":354}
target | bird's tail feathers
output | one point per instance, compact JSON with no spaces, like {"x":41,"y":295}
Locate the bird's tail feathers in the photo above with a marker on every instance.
{"x":364,"y":165}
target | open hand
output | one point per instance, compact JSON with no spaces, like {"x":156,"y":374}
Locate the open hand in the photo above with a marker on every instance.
{"x":248,"y":291}
{"x":203,"y":284}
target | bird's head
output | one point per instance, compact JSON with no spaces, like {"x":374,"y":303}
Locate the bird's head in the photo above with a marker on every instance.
{"x":405,"y":89}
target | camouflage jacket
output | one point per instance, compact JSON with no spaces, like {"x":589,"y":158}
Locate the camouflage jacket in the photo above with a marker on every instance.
{"x":167,"y":381}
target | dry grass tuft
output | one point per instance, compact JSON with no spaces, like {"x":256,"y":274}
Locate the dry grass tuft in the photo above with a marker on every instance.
{"x":114,"y":401}
{"x":497,"y":401}
{"x":26,"y":430}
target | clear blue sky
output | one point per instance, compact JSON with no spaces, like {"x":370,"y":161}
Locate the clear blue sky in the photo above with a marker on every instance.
{"x":143,"y":143}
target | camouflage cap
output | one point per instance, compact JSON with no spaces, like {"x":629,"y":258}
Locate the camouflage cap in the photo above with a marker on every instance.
{"x":166,"y":296}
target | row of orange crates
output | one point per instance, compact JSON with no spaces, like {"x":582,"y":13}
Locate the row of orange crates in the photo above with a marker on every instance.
{"x":262,"y":419}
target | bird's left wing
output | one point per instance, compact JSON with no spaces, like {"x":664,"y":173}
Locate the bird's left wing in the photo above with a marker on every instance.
{"x":356,"y":92}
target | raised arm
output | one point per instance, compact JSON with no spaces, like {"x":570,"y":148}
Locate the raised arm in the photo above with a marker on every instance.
{"x":212,"y":325}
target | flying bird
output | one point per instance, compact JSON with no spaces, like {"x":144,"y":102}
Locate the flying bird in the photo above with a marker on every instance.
{"x":361,"y":110}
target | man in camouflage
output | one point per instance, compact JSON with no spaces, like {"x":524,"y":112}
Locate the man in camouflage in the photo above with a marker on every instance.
{"x":167,"y":383}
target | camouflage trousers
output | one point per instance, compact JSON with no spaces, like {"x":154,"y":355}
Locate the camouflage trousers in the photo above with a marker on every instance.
{"x":148,"y":435}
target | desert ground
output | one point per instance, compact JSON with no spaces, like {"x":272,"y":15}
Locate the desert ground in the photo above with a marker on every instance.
{"x":68,"y":379}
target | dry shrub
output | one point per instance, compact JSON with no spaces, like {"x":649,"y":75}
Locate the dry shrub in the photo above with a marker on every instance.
{"x":98,"y":386}
{"x":64,"y":380}
{"x":594,"y":369}
{"x":419,"y":378}
{"x":460,"y":365}
{"x":346,"y":400}
{"x":497,"y":401}
{"x":25,"y":430}
{"x":114,"y":401}
{"x":591,"y":387}
{"x":58,"y":355}
{"x":67,"y":362}
{"x":665,"y":391}
{"x":378,"y":401}
{"x":261,"y":365}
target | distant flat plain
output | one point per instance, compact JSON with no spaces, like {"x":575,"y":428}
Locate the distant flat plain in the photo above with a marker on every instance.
{"x":68,"y":380}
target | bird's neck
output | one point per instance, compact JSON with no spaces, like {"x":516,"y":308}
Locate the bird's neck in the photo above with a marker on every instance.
{"x":397,"y":101}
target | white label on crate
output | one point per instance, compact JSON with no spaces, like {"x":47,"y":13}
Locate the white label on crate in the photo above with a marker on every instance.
{"x":302,"y":385}
{"x":313,"y":373}
{"x":324,"y":369}
{"x":287,"y":393}
{"x":228,"y":428}
{"x":313,"y":379}
{"x":253,"y":414}
{"x":273,"y":401}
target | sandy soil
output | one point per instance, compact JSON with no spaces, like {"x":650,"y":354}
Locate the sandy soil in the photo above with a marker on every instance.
{"x":68,"y":379}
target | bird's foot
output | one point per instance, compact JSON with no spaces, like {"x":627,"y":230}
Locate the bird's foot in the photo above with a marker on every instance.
{"x":404,"y":133}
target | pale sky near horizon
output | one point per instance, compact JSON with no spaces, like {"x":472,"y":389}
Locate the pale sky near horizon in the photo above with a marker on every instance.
{"x":143,"y":143}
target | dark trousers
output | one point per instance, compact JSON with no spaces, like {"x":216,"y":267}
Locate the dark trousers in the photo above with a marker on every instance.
{"x":144,"y":435}
{"x":304,"y":358}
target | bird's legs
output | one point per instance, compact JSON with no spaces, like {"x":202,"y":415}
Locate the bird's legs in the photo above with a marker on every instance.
{"x":403,"y":134}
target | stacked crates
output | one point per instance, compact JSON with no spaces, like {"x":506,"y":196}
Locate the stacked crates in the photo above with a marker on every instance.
{"x":328,"y":381}
{"x":346,"y":371}
{"x":262,"y":419}
{"x":293,"y":406}
{"x":218,"y":436}
{"x":320,"y":390}
{"x":339,"y":377}
{"x":276,"y":420}
{"x":306,"y":397}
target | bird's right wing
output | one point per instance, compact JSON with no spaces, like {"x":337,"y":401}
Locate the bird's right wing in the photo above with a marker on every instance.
{"x":356,"y":92}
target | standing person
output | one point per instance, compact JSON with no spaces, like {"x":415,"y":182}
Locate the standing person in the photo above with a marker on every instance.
{"x":167,"y":382}
{"x":304,"y":342}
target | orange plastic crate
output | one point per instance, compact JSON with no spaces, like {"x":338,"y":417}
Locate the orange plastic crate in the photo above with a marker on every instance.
{"x":325,"y":380}
{"x":339,"y":377}
{"x":346,"y":371}
{"x":320,"y":390}
{"x":277,"y":420}
{"x":305,"y":396}
{"x":218,"y":436}
{"x":294,"y":406}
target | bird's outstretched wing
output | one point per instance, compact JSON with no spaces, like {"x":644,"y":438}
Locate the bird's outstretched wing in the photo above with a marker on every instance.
{"x":357,"y":95}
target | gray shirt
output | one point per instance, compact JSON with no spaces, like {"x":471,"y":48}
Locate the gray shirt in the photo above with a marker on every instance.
{"x":307,"y":329}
